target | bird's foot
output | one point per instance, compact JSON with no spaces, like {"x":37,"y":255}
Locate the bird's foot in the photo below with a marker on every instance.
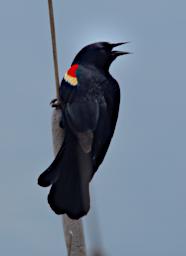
{"x":55,"y":104}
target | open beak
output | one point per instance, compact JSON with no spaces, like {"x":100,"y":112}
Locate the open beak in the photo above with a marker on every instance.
{"x":118,"y":53}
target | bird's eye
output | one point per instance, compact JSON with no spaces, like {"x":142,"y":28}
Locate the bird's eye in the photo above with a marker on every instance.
{"x":104,"y":47}
{"x":101,"y":47}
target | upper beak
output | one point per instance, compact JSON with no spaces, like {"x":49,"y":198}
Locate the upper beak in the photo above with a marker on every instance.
{"x":118,"y":53}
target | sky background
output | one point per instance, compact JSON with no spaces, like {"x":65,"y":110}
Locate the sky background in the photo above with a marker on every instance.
{"x":140,"y":189}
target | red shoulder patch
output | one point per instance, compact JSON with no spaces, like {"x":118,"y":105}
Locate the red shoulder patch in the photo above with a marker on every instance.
{"x":71,"y":76}
{"x":72,"y":70}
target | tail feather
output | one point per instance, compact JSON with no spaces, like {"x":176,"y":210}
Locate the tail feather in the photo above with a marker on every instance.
{"x":70,"y":197}
{"x":52,"y":173}
{"x":71,"y":172}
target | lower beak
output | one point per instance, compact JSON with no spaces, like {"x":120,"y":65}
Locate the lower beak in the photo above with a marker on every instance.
{"x":119,"y":53}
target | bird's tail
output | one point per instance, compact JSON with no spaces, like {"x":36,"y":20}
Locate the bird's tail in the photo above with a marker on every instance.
{"x":69,"y":175}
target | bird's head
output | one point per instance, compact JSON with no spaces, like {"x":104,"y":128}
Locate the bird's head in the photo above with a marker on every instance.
{"x":100,"y":54}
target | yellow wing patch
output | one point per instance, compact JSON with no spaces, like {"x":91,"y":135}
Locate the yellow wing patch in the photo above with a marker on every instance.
{"x":70,"y":79}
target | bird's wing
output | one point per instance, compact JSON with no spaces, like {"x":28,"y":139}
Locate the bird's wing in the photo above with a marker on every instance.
{"x":82,"y":118}
{"x":81,"y":108}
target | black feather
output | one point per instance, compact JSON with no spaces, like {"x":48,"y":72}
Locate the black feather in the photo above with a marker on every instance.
{"x":90,"y":112}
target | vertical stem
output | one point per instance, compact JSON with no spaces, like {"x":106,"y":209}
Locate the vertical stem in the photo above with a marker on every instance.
{"x":54,"y":47}
{"x":73,"y":229}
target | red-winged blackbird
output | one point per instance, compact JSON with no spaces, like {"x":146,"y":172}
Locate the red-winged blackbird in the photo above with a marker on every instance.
{"x":90,"y":99}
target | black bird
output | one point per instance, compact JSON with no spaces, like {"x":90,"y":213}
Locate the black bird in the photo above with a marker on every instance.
{"x":89,"y":101}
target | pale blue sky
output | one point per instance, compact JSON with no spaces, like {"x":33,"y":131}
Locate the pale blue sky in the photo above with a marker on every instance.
{"x":140,"y":189}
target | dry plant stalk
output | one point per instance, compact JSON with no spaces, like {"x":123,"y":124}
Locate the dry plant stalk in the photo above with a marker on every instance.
{"x":73,"y":229}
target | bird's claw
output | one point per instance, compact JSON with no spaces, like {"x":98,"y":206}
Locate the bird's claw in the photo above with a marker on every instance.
{"x":55,"y":104}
